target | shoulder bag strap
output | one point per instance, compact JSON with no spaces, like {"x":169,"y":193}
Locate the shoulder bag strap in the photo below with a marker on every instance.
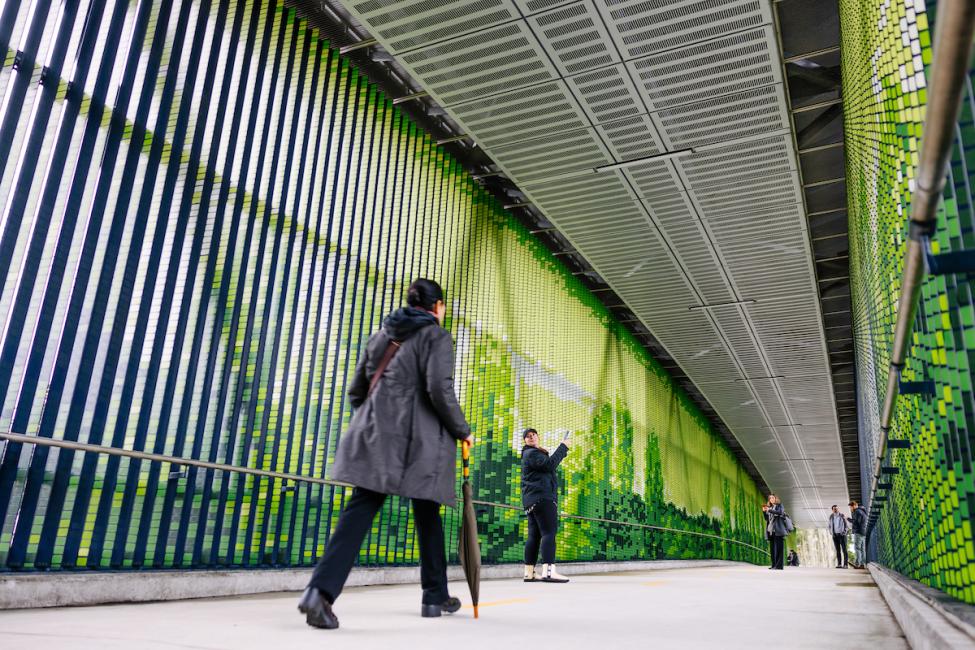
{"x":391,"y":351}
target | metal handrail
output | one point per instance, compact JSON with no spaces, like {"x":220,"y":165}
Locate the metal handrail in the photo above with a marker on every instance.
{"x":162,"y":458}
{"x":949,"y":69}
{"x":192,"y":462}
{"x":666,"y":530}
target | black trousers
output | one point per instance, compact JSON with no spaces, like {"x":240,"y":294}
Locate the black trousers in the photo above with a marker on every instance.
{"x":543,"y":523}
{"x":839,"y":541}
{"x":778,"y":546}
{"x":354,"y":523}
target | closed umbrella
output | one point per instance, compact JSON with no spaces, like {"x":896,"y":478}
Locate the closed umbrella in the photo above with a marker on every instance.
{"x":470,"y":549}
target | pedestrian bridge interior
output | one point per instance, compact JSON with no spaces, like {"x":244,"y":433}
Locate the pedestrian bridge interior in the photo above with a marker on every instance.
{"x":686,"y":233}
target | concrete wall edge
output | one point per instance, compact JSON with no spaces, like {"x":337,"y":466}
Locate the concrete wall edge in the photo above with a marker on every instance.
{"x":926,"y":624}
{"x":79,"y":588}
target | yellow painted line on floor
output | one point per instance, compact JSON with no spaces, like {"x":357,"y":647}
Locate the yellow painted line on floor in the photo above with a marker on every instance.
{"x":510,"y":601}
{"x":654,"y":583}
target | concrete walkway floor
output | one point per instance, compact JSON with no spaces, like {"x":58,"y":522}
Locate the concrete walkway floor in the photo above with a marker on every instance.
{"x":737,"y":606}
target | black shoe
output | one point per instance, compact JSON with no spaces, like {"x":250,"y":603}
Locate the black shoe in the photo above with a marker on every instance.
{"x":449,"y":606}
{"x":317,"y":610}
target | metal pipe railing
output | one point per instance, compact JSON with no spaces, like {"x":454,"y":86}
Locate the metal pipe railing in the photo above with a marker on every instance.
{"x":23,"y":439}
{"x":946,"y":84}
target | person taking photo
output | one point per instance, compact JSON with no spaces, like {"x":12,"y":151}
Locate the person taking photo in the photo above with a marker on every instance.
{"x":539,"y":496}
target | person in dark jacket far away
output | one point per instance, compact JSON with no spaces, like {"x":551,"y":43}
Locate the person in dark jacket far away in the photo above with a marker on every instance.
{"x":539,"y":496}
{"x":402,"y":440}
{"x":859,"y":523}
{"x":777,"y":531}
{"x":838,"y":528}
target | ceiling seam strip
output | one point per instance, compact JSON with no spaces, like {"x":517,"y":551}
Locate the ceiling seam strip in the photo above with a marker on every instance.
{"x":709,"y":236}
{"x":746,"y":320}
{"x":728,"y":347}
{"x":810,"y":250}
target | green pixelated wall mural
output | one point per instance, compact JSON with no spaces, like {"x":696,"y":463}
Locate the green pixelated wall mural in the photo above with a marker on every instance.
{"x":205,"y":212}
{"x":925,"y":528}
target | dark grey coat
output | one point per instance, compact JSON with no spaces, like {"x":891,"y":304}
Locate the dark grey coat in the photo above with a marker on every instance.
{"x":776,"y":521}
{"x":403,"y":438}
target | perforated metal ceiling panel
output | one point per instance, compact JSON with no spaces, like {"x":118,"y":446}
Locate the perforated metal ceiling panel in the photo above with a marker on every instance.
{"x":522,"y":114}
{"x":407,"y":24}
{"x":641,"y":27}
{"x":575,"y":37}
{"x":481,"y":64}
{"x":608,"y":94}
{"x":712,"y":68}
{"x":707,"y":245}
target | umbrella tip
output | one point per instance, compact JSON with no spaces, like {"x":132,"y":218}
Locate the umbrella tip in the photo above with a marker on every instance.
{"x":475,"y":611}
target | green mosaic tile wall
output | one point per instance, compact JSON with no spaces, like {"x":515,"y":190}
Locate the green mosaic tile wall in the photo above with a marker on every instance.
{"x":200,"y":227}
{"x":925,"y":530}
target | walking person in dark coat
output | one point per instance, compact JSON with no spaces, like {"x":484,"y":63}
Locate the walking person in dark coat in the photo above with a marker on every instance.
{"x":777,"y":531}
{"x":402,"y":441}
{"x":539,"y":496}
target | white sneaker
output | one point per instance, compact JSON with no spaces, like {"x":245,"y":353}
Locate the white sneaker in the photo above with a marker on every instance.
{"x":549,"y":574}
{"x":530,"y":575}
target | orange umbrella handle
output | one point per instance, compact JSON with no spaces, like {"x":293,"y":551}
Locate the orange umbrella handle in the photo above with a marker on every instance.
{"x":466,"y":455}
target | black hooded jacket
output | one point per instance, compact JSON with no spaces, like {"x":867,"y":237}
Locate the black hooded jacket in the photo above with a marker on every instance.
{"x":538,"y":474}
{"x":403,"y":437}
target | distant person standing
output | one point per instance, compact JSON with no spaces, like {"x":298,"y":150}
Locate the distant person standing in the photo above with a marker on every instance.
{"x":859,"y":522}
{"x":777,"y":529}
{"x":767,"y":517}
{"x":539,"y":496}
{"x":838,"y":528}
